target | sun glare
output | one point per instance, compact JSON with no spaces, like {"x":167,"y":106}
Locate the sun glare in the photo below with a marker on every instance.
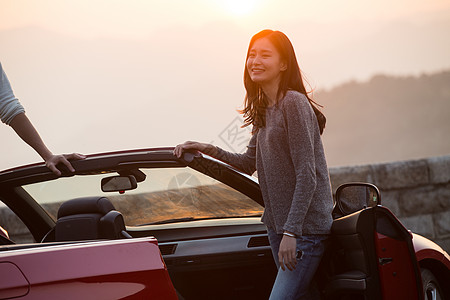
{"x":239,"y":7}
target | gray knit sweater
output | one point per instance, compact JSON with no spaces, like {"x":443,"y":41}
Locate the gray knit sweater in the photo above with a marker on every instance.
{"x":292,"y":171}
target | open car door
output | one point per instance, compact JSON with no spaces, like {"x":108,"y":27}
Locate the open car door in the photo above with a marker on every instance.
{"x":372,"y":254}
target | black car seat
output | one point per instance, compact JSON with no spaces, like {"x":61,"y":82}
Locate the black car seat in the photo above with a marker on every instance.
{"x":360,"y":250}
{"x":89,"y":218}
{"x":354,"y":258}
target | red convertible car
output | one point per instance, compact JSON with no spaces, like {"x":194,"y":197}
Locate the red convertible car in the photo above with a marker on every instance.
{"x":143,"y":224}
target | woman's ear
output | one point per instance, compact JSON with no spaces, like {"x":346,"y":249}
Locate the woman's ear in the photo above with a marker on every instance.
{"x":283,"y":66}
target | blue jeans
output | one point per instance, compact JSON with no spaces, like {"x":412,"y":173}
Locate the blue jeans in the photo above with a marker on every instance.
{"x":295,"y":284}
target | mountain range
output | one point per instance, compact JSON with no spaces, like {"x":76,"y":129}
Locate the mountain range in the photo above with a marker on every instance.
{"x":387,"y":118}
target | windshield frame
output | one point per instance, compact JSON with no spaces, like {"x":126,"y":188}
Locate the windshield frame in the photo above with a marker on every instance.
{"x":39,"y":222}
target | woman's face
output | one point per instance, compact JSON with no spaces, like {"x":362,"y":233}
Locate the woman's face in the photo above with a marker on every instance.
{"x":264,"y":63}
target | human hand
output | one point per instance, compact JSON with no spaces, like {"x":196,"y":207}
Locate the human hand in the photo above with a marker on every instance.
{"x":53,"y":160}
{"x":190,"y":146}
{"x":287,"y":253}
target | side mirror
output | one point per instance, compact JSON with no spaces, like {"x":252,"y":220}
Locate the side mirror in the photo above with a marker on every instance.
{"x":118,"y":183}
{"x":351,"y":197}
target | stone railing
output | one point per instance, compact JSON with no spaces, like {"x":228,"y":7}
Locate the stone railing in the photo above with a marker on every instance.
{"x":416,"y":191}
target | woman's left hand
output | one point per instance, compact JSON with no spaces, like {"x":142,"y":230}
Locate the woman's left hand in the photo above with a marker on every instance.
{"x":287,"y":253}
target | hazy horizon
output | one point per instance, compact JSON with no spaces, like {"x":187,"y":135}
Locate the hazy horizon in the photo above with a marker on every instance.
{"x":98,"y":76}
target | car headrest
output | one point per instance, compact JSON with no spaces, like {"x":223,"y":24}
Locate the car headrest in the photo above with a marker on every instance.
{"x":89,"y":218}
{"x":86,"y":205}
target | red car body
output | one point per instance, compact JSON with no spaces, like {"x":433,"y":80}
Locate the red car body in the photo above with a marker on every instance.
{"x":427,"y":250}
{"x":116,"y":269}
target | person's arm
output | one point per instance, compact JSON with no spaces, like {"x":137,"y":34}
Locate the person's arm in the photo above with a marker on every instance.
{"x":244,"y":161}
{"x":25,"y":129}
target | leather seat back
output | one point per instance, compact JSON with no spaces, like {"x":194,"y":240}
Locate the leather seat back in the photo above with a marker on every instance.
{"x":88,"y":218}
{"x":353,"y":256}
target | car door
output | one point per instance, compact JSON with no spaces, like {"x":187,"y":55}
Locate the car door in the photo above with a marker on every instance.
{"x":398,"y":269}
{"x":372,"y":255}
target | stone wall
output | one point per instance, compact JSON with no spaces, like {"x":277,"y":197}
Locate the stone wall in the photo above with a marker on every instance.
{"x":416,"y":191}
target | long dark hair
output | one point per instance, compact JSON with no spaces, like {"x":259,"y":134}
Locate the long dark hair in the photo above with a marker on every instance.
{"x":256,"y":101}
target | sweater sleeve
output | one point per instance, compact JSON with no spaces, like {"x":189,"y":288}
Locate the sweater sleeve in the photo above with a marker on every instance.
{"x":243,"y":161}
{"x":301,"y":127}
{"x":9,"y":104}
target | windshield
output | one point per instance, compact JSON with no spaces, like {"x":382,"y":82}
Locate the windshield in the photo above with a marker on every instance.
{"x":166,"y":195}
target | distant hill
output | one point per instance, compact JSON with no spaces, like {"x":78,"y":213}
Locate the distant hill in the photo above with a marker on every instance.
{"x":387,"y":119}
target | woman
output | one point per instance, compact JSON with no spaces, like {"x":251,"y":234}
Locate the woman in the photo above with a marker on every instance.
{"x":286,"y":150}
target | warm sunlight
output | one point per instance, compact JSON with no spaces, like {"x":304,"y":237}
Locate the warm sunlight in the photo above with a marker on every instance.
{"x":184,"y":60}
{"x":239,"y":7}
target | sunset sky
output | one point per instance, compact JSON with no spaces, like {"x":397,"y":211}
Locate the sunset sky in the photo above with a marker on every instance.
{"x":139,"y":18}
{"x":107,"y":75}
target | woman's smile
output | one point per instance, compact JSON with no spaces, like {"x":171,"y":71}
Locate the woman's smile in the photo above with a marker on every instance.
{"x":256,"y":71}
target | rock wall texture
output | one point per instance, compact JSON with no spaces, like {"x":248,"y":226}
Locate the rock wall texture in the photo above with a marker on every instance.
{"x":416,"y":191}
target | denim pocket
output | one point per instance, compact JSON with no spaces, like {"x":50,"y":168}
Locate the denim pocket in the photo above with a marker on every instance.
{"x":311,"y":245}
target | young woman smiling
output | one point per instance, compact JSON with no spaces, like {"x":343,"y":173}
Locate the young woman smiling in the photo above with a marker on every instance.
{"x":286,"y":150}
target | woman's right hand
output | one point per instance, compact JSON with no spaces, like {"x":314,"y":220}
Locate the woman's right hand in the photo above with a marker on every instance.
{"x":191,"y":146}
{"x":53,"y":160}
